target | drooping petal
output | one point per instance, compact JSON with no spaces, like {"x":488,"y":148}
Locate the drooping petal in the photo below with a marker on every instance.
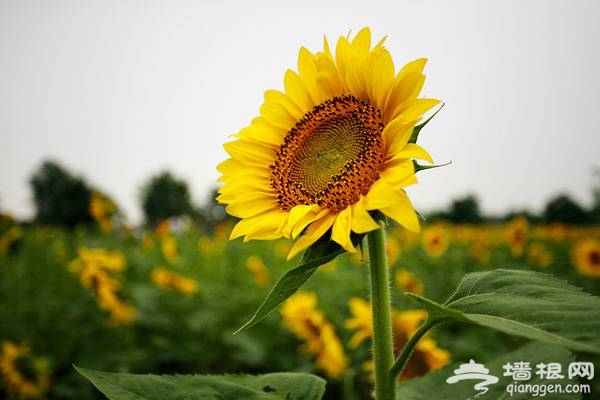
{"x":403,"y":212}
{"x":300,"y":217}
{"x":249,"y":204}
{"x":263,"y":225}
{"x":380,"y":195}
{"x":312,"y":234}
{"x":341,"y":229}
{"x":361,"y":220}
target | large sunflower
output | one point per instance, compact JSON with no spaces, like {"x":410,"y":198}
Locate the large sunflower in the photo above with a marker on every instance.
{"x":331,"y":147}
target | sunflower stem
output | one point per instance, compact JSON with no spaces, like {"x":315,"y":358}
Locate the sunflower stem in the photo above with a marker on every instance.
{"x":383,"y":347}
{"x":409,"y":348}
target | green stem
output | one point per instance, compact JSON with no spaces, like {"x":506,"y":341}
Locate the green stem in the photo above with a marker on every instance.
{"x":383,"y":347}
{"x":408,"y":349}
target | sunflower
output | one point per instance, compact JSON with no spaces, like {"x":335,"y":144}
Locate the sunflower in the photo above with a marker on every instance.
{"x":586,"y":257}
{"x":517,"y":231}
{"x":22,"y":374}
{"x":258,"y":268}
{"x":427,"y":356}
{"x":167,"y":279}
{"x":302,"y":317}
{"x":408,"y":282}
{"x":330,"y":148}
{"x":435,"y":241}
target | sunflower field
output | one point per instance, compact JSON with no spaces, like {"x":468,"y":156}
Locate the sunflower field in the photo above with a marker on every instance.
{"x":168,"y":301}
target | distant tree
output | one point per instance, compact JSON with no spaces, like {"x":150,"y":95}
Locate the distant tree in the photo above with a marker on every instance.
{"x":564,"y":209}
{"x":212,"y":212}
{"x":60,"y":198}
{"x":465,"y":210}
{"x":594,"y":212}
{"x":165,"y":196}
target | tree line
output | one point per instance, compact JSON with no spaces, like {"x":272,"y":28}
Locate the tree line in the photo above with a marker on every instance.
{"x":63,"y":199}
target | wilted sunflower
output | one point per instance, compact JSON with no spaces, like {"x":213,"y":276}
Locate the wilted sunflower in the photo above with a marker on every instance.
{"x":331,"y":147}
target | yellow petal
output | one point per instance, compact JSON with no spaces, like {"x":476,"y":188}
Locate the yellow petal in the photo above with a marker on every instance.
{"x":249,"y":152}
{"x":341,"y":229}
{"x":296,"y":91}
{"x":268,"y":223}
{"x":275,"y":96}
{"x":395,"y":135}
{"x":328,"y":76}
{"x":232,"y":192}
{"x":361,"y":220}
{"x":382,"y":74}
{"x":312,"y":234}
{"x":399,"y":173}
{"x":412,"y":150}
{"x":403,"y":212}
{"x":277,"y":115}
{"x":309,"y":75}
{"x":381,"y":194}
{"x":362,"y":41}
{"x":407,"y":85}
{"x":300,"y":217}
{"x":249,"y":204}
{"x":261,"y":131}
{"x":414,"y":109}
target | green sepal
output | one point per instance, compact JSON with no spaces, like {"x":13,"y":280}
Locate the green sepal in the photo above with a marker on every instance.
{"x":417,"y":128}
{"x":420,"y":167}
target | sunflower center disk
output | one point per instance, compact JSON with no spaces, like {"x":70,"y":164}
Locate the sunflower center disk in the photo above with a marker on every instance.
{"x":331,"y":156}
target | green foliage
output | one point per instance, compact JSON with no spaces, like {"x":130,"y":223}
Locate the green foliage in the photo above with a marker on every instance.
{"x":60,"y":198}
{"x":47,"y":306}
{"x":529,"y":304}
{"x":165,"y":196}
{"x":434,"y":385}
{"x":465,"y":210}
{"x":564,"y":209}
{"x":287,"y":386}
{"x":318,"y":254}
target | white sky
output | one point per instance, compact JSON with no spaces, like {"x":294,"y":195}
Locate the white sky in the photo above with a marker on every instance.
{"x":119,"y":90}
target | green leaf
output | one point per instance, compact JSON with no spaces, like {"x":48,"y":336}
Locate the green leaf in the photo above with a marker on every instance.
{"x":284,"y":385}
{"x":522,"y":303}
{"x":434,"y":385}
{"x":318,"y":254}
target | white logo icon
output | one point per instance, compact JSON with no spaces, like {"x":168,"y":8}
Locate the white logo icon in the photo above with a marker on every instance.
{"x":474,"y":371}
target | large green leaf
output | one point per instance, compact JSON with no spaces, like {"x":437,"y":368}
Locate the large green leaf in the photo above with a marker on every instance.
{"x":288,"y":386}
{"x":434,"y":385}
{"x":529,"y":304}
{"x":318,"y":254}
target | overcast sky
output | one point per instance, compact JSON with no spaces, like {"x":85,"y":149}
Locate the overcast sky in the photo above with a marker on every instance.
{"x":120,"y":90}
